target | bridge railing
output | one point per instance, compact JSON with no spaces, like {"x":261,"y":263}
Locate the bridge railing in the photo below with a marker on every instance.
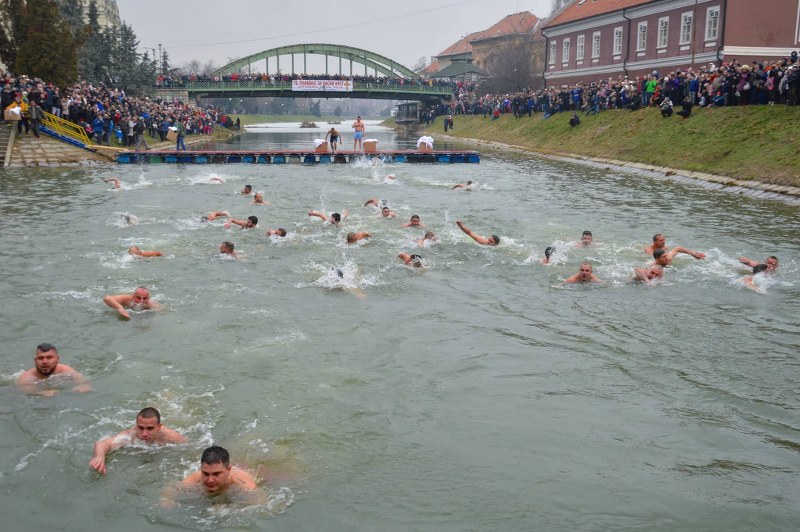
{"x":281,"y":86}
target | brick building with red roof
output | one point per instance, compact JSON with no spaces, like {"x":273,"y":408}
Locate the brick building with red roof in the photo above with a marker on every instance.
{"x":592,"y":39}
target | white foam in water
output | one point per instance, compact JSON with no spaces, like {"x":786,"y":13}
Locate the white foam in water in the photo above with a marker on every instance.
{"x":123,"y":219}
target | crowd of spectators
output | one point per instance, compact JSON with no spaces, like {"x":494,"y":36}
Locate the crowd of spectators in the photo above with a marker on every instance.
{"x":730,"y":84}
{"x":272,"y":79}
{"x":107,"y":114}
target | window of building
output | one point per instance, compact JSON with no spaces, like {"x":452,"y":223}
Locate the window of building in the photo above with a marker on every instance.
{"x":641,"y":37}
{"x":686,"y":28}
{"x":617,"y":41}
{"x":565,"y":51}
{"x":663,"y":32}
{"x":579,"y":46}
{"x":712,"y":23}
{"x":596,"y":44}
{"x":552,"y":58}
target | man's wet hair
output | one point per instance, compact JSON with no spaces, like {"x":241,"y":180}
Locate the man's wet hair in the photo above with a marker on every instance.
{"x":657,"y":253}
{"x":496,"y":239}
{"x":351,"y":237}
{"x":758,"y":268}
{"x":253,"y":219}
{"x":204,"y":218}
{"x":216,"y":455}
{"x":336,"y":217}
{"x":281,"y":231}
{"x":150,"y":413}
{"x":416,"y":260}
{"x":228,"y":244}
{"x":773,"y":257}
{"x":45,"y":347}
{"x":655,"y":236}
{"x":549,"y":250}
{"x":248,"y":187}
{"x":339,"y":273}
{"x":586,"y":233}
{"x":429,"y":234}
{"x":415,"y":216}
{"x":469,"y":182}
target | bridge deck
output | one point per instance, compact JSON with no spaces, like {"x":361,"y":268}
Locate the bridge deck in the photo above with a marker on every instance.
{"x":296,"y":157}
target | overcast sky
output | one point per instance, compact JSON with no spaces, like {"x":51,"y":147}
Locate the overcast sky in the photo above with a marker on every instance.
{"x":225,"y":30}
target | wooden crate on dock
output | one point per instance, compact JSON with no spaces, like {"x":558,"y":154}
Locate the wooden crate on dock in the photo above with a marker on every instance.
{"x":370,"y":146}
{"x":172,"y":135}
{"x":322,"y":148}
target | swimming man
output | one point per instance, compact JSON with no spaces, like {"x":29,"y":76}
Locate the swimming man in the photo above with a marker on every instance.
{"x":147,"y":429}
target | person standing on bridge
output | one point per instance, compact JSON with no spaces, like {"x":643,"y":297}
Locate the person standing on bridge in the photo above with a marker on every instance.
{"x":359,"y":130}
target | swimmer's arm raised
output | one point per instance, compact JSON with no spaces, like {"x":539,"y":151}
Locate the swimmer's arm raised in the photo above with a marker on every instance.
{"x":679,"y":249}
{"x":319,"y":215}
{"x":748,"y":262}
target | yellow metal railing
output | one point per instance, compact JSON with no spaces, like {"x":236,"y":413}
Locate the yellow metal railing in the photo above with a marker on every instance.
{"x":66,"y":128}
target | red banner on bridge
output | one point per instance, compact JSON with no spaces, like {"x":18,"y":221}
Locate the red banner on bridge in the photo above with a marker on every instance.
{"x":323,"y":85}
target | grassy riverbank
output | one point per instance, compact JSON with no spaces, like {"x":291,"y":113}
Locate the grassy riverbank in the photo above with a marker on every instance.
{"x":757,"y":142}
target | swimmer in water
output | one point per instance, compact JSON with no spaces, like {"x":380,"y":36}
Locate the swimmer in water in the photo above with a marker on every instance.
{"x":251,"y":222}
{"x":389,"y":177}
{"x":491,"y":241}
{"x":214,"y":215}
{"x":428,"y":239}
{"x":771,"y":263}
{"x":586,"y":239}
{"x":749,"y":281}
{"x":413,"y":260}
{"x":46,"y":364}
{"x":465,"y":186}
{"x":664,"y":258}
{"x":129,"y":219}
{"x":648,"y":276}
{"x":414,"y":222}
{"x":659,"y":242}
{"x":247,"y":190}
{"x":138,"y":300}
{"x":115,"y":180}
{"x":374,"y":202}
{"x":386,"y":212}
{"x":145,"y":254}
{"x":227,"y":248}
{"x":548,"y":251}
{"x":354,"y":237}
{"x":334,"y":219}
{"x":584,"y":275}
{"x":258,"y":199}
{"x":215,"y":179}
{"x":147,"y":429}
{"x":217,"y":476}
{"x":276,"y":232}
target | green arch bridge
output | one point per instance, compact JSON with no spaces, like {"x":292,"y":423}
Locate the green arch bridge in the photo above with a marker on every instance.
{"x":399,"y":83}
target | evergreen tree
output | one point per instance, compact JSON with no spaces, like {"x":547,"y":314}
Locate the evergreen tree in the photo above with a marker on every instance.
{"x":72,"y":13}
{"x":12,"y":29}
{"x":95,"y":54}
{"x":46,"y":45}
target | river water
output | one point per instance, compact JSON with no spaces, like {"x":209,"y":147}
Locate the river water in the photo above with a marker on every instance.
{"x":479,"y":393}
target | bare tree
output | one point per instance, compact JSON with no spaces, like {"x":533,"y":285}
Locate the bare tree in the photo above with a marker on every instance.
{"x":192,"y":67}
{"x":209,"y":67}
{"x":420,"y":65}
{"x":513,"y":66}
